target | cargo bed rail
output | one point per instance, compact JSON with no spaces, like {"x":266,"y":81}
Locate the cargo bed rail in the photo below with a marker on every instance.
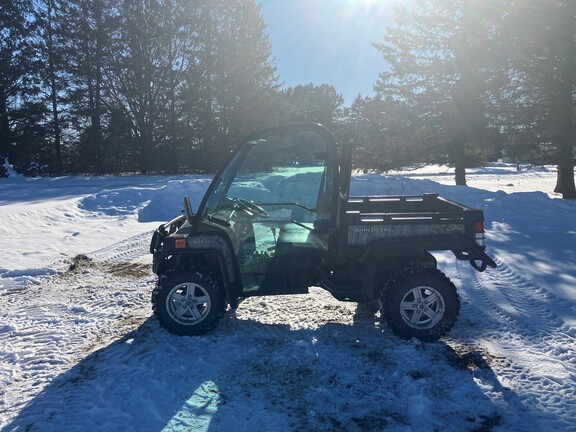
{"x":427,"y":222}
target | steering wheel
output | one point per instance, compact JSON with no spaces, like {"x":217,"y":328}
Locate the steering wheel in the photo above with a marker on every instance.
{"x":250,"y":207}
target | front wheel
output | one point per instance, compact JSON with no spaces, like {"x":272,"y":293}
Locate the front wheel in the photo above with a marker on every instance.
{"x":188,"y":303}
{"x":421,"y":303}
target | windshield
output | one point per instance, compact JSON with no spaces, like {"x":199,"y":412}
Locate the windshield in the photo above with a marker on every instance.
{"x":273,"y":200}
{"x":282,"y":173}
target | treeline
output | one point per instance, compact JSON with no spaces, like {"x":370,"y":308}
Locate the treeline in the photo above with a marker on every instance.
{"x":472,"y":80}
{"x":110,"y":86}
{"x":121,"y":85}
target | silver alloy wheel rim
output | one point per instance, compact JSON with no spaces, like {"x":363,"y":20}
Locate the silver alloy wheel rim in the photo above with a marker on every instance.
{"x":188,"y":303}
{"x":422,"y":307}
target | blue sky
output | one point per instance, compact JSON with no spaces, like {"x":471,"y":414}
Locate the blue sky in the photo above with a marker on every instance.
{"x":329,"y":41}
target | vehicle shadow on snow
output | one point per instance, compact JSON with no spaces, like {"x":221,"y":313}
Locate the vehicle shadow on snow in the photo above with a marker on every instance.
{"x":249,"y":375}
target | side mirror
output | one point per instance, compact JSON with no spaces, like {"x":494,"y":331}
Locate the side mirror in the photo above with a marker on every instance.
{"x":188,"y":210}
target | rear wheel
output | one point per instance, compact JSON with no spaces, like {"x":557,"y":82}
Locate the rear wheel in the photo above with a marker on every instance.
{"x":188,"y":303}
{"x":421,"y":303}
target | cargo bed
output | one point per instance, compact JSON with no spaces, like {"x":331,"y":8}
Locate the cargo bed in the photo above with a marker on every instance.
{"x":429,"y":221}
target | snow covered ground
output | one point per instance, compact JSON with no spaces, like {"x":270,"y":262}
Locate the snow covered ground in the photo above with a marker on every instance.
{"x":79,"y":350}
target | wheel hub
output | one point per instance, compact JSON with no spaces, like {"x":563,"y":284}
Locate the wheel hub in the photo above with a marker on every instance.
{"x":422,"y":307}
{"x":188,"y":303}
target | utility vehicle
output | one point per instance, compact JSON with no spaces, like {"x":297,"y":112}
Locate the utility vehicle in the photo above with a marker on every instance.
{"x":278,"y":219}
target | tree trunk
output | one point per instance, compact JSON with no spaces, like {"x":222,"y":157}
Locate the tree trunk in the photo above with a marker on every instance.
{"x":565,"y":181}
{"x":5,"y":138}
{"x":58,"y":169}
{"x":144,"y":155}
{"x":558,"y":188}
{"x":173,"y":150}
{"x":146,"y":147}
{"x":460,"y":176}
{"x":564,"y":104}
{"x":97,"y":108}
{"x":54,"y":93}
{"x":4,"y":135}
{"x":459,"y":162}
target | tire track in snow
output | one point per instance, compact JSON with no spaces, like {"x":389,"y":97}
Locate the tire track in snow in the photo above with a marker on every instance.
{"x":520,"y":319}
{"x":125,"y":250}
{"x":129,"y":249}
{"x":50,"y":325}
{"x":526,"y":307}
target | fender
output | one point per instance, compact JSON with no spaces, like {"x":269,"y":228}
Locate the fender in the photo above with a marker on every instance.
{"x":217,"y":244}
{"x":177,"y":247}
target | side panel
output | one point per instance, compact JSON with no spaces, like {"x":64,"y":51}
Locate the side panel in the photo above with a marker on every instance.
{"x":363,"y":280}
{"x":217,"y":244}
{"x":360,"y":235}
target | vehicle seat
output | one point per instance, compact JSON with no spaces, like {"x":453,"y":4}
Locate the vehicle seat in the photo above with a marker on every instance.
{"x":294,"y":235}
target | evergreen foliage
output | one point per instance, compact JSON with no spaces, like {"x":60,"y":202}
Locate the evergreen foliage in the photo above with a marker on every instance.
{"x":101,"y":86}
{"x":472,"y":80}
{"x":109,"y":86}
{"x":436,"y":95}
{"x":540,"y":116}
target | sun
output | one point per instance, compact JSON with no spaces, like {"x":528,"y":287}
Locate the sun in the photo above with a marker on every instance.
{"x":371,"y":3}
{"x":373,"y":6}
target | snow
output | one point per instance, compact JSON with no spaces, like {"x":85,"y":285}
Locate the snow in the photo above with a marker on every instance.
{"x":79,"y":349}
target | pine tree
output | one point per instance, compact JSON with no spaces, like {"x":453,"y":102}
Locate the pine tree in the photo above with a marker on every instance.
{"x":17,"y":75}
{"x":311,"y":103}
{"x":233,"y":86}
{"x":361,"y":125}
{"x":87,"y":34}
{"x":441,"y":72}
{"x":49,"y":45}
{"x":541,"y":108}
{"x":139,"y":73}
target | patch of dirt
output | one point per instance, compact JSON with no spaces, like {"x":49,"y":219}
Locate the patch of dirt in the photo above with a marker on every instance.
{"x":464,"y":357}
{"x":82,"y":263}
{"x":79,"y":263}
{"x":130,"y":270}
